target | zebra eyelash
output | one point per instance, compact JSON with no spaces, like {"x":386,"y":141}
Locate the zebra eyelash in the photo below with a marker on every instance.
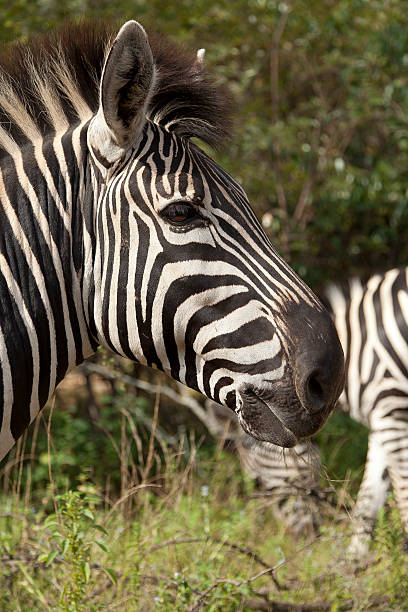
{"x":183,"y":216}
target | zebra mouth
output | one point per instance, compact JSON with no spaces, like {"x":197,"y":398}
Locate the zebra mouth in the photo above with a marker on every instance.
{"x":260,"y":421}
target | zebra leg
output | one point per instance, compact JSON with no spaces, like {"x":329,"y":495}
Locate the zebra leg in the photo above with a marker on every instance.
{"x":398,"y":470}
{"x":371,"y":496}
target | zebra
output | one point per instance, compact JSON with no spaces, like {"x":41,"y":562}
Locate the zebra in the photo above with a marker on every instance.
{"x":290,"y":480}
{"x":119,"y":230}
{"x":372,"y":322}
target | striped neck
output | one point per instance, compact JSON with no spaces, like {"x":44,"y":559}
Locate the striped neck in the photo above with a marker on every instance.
{"x":40,"y":275}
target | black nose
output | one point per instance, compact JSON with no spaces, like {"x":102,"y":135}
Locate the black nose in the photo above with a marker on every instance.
{"x":317,"y":360}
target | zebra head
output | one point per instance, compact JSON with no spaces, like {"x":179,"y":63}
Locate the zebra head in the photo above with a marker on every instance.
{"x":179,"y":274}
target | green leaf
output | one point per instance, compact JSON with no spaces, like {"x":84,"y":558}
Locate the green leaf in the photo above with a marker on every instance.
{"x":86,"y":570}
{"x":50,"y":557}
{"x":111,"y":573}
{"x":56,"y":537}
{"x":51,"y":522}
{"x":101,"y":545}
{"x":65,"y":545}
{"x":89,"y":514}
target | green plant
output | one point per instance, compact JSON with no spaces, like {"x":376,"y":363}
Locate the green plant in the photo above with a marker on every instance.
{"x":71,"y":531}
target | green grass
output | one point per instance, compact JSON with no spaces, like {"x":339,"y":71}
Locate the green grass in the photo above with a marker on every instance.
{"x":189,"y":538}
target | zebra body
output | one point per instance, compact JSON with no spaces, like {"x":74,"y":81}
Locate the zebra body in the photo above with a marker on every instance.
{"x":372,"y":322}
{"x":118,"y":230}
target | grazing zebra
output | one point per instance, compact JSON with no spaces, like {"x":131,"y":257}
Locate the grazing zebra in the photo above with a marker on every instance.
{"x":288,"y":478}
{"x":118,"y":230}
{"x":372,"y":322}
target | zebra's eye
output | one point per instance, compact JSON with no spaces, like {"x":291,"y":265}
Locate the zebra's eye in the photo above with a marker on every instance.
{"x":180,"y":213}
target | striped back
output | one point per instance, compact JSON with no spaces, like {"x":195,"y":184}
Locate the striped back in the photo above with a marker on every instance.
{"x":372,"y":322}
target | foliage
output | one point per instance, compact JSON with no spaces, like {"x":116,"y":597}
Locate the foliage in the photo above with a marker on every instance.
{"x":187,"y":533}
{"x":321,"y":88}
{"x":196,"y":542}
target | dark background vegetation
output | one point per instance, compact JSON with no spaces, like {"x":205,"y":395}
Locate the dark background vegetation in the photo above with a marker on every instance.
{"x":321,"y":140}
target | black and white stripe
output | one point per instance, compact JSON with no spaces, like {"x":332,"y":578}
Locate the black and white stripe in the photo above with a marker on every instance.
{"x":118,"y":230}
{"x":372,"y":321}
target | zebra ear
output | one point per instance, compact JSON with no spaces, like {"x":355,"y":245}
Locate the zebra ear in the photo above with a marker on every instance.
{"x":126,"y":85}
{"x":199,"y":63}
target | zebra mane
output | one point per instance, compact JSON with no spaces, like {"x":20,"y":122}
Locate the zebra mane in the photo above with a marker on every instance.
{"x":51,"y":83}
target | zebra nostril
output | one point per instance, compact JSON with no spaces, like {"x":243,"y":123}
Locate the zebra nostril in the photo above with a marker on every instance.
{"x":315,"y":393}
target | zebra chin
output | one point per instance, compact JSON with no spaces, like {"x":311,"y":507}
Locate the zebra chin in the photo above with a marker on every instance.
{"x":273,"y":430}
{"x":277,"y":414}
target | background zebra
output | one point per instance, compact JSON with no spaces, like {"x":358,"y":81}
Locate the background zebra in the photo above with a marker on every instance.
{"x":372,"y":322}
{"x":289,"y":478}
{"x":118,"y":230}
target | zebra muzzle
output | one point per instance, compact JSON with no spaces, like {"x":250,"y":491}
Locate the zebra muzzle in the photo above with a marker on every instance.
{"x":261,"y":420}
